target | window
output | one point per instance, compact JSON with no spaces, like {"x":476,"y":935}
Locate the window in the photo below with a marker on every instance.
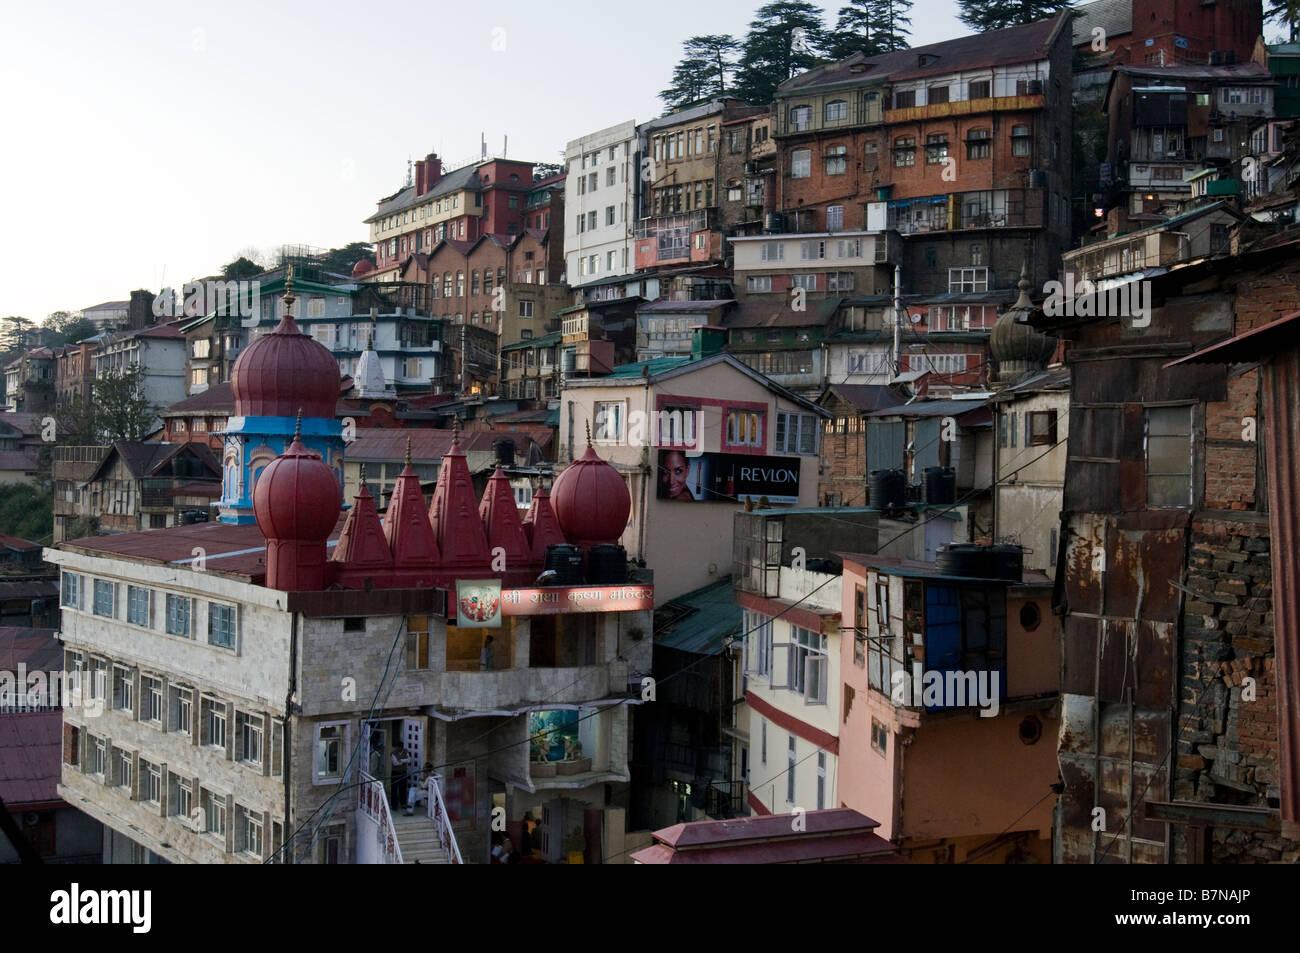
{"x":525,"y":309}
{"x":330,"y":759}
{"x":609,"y":214}
{"x":904,"y":99}
{"x":250,"y":831}
{"x":936,"y":148}
{"x":609,"y":421}
{"x":1041,"y":428}
{"x":150,"y":782}
{"x":1015,"y":425}
{"x":98,"y":756}
{"x":979,"y":144}
{"x":460,"y":284}
{"x":122,"y":773}
{"x":758,"y":647}
{"x":151,"y":700}
{"x":821,"y":780}
{"x":123,"y":685}
{"x":1169,"y":456}
{"x":214,"y":813}
{"x":735,"y":193}
{"x":72,"y":590}
{"x":772,"y":251}
{"x":221,"y":625}
{"x":808,"y":663}
{"x":417,"y":642}
{"x":800,"y":118}
{"x":315,"y":307}
{"x":839,"y":281}
{"x":763,"y":740}
{"x":103,"y":604}
{"x":847,"y":248}
{"x":834,"y":218}
{"x":744,"y":428}
{"x":905,"y":151}
{"x":806,"y":282}
{"x":800,"y":163}
{"x":978,"y":89}
{"x":180,"y":796}
{"x":213,"y":714}
{"x":812,"y":250}
{"x":790,"y":763}
{"x":836,"y":160}
{"x":795,"y":433}
{"x":837,"y":110}
{"x":758,"y":283}
{"x":968,"y":279}
{"x":137,"y":606}
{"x":879,"y":737}
{"x":248,"y":738}
{"x":182,"y":709}
{"x":1020,"y":140}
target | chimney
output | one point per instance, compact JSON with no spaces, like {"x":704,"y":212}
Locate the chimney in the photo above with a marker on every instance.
{"x":432,"y":170}
{"x":139,"y":313}
{"x":419,"y":177}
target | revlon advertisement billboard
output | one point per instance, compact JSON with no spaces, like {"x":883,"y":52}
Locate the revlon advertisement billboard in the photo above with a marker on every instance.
{"x":727,"y":477}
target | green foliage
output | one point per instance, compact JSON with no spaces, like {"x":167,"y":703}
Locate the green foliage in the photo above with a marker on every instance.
{"x":871,"y":27}
{"x":985,"y":15}
{"x":27,"y":512}
{"x":241,"y":269}
{"x":121,"y":410}
{"x":1286,"y":13}
{"x":704,"y":71}
{"x":785,"y":37}
{"x":341,"y":260}
{"x":72,"y":332}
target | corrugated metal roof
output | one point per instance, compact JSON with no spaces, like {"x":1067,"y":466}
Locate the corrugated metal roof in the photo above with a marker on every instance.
{"x":685,"y":306}
{"x":868,"y":397}
{"x":1115,"y":17}
{"x":702,"y":620}
{"x":778,"y":314}
{"x":931,"y":408}
{"x":30,"y":758}
{"x":38,"y":649}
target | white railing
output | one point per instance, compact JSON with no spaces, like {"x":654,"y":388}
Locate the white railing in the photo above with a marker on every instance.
{"x":373,"y":803}
{"x":441,"y":821}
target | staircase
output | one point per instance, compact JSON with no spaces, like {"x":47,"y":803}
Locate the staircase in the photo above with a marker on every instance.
{"x":417,"y":836}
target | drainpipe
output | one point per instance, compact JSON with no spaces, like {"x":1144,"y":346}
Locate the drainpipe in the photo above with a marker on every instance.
{"x":646,"y":471}
{"x":286,"y":848}
{"x":898,"y":316}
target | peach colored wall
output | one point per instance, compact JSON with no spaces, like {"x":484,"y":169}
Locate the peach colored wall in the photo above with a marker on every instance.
{"x":1033,"y":658}
{"x":866,"y":781}
{"x":970,"y":775}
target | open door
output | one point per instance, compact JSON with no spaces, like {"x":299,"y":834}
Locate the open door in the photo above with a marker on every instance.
{"x":413,"y":731}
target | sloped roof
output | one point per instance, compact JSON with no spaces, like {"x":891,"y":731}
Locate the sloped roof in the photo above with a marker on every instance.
{"x":868,"y":397}
{"x":684,"y":307}
{"x":778,"y":314}
{"x":17,"y":542}
{"x":1017,"y":44}
{"x":107,"y":306}
{"x":218,"y":397}
{"x":700,"y":621}
{"x":31,"y":759}
{"x":16,"y":460}
{"x":466,"y":177}
{"x":931,"y":408}
{"x":1115,"y":17}
{"x":143,"y":458}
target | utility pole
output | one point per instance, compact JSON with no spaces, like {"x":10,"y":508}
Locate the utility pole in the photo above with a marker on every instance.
{"x":898,"y":317}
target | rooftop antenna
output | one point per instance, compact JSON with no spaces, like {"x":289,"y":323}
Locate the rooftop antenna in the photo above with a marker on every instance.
{"x":482,"y":145}
{"x":409,"y":178}
{"x":505,"y":141}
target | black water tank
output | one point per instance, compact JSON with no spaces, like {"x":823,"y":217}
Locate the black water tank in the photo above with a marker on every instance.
{"x":888,"y":489}
{"x":505,"y":451}
{"x":963,"y":559}
{"x":1006,"y":562}
{"x":565,"y":560}
{"x":607,"y":564}
{"x":940,"y":485}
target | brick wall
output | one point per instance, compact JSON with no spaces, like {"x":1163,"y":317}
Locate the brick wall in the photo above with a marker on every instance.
{"x":1230,"y":481}
{"x":1227,"y":743}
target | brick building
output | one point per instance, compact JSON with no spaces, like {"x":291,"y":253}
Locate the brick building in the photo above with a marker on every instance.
{"x":1172,"y":547}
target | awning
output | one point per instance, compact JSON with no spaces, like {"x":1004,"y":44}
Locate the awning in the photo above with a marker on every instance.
{"x":1252,"y":345}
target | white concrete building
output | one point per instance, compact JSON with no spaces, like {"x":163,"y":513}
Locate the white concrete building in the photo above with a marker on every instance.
{"x":600,"y":200}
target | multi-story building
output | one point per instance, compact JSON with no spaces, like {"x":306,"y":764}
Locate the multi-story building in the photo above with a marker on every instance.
{"x":160,"y":353}
{"x":680,"y":219}
{"x":249,"y":698}
{"x":693,"y":437}
{"x":943,"y":675}
{"x":530,"y":369}
{"x":107,"y":315}
{"x":600,"y":196}
{"x":1130,"y":252}
{"x":1167,"y":124}
{"x":842,"y":480}
{"x":746,"y":173}
{"x":489,"y":197}
{"x":74,"y":369}
{"x":29,"y":381}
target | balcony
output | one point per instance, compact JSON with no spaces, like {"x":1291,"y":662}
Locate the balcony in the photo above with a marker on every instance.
{"x":787,"y":123}
{"x":965,"y":107}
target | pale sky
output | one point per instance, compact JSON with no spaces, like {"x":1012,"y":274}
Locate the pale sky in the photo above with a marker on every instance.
{"x":146,"y":143}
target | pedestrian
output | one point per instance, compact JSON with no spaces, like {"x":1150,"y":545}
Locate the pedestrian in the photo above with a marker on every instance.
{"x":401,"y":759}
{"x":487,"y":656}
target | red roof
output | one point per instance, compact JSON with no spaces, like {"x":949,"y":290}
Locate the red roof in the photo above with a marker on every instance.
{"x":835,"y":835}
{"x":15,"y":542}
{"x":454,"y":514}
{"x":31,"y":758}
{"x":16,"y":460}
{"x":38,"y":649}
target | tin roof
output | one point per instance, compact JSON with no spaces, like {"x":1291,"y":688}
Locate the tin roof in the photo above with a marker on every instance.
{"x":701,"y":621}
{"x":30,"y":758}
{"x":838,"y":834}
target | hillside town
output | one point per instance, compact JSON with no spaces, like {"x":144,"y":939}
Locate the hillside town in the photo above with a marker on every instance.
{"x":979,"y":361}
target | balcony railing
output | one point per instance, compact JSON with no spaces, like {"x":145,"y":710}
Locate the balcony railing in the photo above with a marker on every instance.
{"x":372,"y":802}
{"x":442,"y":822}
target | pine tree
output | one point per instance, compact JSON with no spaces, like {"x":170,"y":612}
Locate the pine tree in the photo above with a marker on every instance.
{"x":985,"y":15}
{"x":893,"y":25}
{"x":705,"y":70}
{"x":785,"y":37}
{"x":1287,"y":15}
{"x":871,"y":27}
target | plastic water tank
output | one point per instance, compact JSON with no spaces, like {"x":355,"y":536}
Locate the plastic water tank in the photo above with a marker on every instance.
{"x":607,"y":564}
{"x":940,"y":485}
{"x":565,"y":560}
{"x":888,"y":489}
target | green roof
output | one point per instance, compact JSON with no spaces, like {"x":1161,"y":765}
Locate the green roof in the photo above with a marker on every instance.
{"x":546,"y":340}
{"x":656,"y":365}
{"x":701,"y":621}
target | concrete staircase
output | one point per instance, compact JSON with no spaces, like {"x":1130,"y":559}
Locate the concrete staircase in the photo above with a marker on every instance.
{"x":418,"y":837}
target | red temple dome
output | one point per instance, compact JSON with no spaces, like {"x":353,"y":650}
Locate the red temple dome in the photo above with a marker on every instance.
{"x":591,"y":501}
{"x":296,"y":502}
{"x":285,"y":371}
{"x":362,"y":268}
